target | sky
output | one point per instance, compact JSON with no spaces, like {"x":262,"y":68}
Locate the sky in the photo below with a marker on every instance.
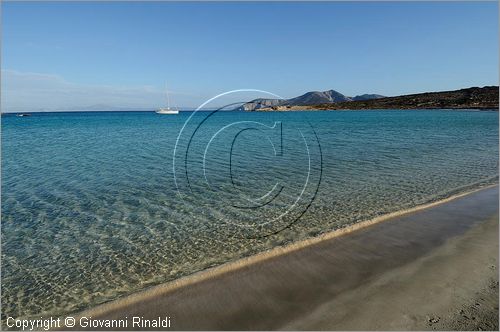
{"x":75,"y":55}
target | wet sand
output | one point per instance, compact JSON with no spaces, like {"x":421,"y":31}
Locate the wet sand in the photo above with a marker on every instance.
{"x":435,"y":268}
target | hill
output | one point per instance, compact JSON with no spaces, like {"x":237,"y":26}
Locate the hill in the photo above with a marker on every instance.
{"x":308,"y":98}
{"x":473,"y":98}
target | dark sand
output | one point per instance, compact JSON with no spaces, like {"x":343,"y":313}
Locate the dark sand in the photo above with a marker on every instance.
{"x":435,"y":268}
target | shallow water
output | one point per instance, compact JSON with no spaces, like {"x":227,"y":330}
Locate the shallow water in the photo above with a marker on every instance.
{"x":99,"y":205}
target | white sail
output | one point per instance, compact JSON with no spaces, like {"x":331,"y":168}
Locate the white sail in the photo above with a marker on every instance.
{"x":168,"y":97}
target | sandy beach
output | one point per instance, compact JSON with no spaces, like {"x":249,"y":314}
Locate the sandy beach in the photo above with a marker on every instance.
{"x":431,"y":269}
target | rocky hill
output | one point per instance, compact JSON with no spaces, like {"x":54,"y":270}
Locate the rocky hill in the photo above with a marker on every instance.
{"x":474,"y":98}
{"x":309,"y":98}
{"x":318,"y":97}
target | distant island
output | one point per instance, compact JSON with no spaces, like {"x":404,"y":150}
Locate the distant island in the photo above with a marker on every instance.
{"x":474,"y":98}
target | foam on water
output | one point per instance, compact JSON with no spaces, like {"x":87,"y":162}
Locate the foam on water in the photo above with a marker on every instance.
{"x":91,"y":211}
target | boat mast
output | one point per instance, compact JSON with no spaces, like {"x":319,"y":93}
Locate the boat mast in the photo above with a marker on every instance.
{"x":168,"y":98}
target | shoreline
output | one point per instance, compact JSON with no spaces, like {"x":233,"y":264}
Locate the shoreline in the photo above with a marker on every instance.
{"x":453,"y":287}
{"x":164,"y":289}
{"x":307,"y":108}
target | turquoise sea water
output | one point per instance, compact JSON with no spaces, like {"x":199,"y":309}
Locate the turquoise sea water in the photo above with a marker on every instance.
{"x":99,"y":205}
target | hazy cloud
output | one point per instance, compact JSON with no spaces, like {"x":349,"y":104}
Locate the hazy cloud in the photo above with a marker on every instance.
{"x":23,"y":91}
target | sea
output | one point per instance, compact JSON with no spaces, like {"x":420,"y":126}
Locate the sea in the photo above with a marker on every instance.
{"x":99,"y":205}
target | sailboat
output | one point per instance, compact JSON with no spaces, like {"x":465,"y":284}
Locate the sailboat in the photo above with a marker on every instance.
{"x":168,"y":109}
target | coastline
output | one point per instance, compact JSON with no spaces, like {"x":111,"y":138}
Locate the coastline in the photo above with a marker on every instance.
{"x":333,"y":108}
{"x":473,"y":97}
{"x":454,"y":287}
{"x":152,"y":294}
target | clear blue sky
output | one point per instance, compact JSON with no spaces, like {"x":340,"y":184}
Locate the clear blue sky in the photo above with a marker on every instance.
{"x":120,"y":54}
